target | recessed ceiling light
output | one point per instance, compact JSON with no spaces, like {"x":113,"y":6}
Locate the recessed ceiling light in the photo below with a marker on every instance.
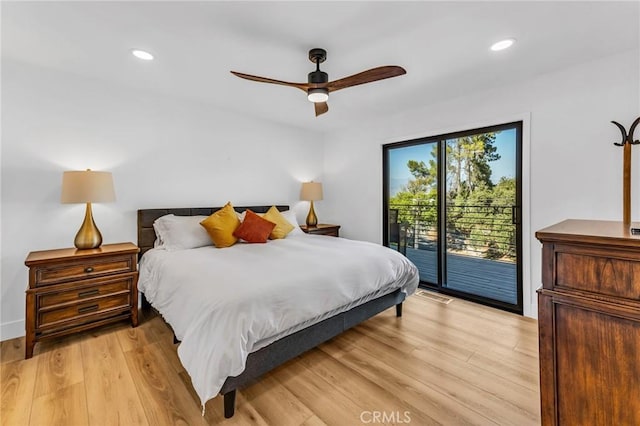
{"x":141,"y":54}
{"x":503,"y":44}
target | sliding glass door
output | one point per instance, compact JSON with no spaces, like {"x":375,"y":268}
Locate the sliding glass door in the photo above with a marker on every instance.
{"x":452,"y":205}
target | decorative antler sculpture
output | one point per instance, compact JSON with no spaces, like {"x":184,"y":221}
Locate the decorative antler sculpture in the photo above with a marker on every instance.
{"x":627,"y":141}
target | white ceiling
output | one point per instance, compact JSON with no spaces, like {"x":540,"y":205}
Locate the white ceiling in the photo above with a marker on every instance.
{"x":444,"y":46}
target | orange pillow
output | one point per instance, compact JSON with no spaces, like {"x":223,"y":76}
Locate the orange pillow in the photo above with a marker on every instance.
{"x":254,"y":229}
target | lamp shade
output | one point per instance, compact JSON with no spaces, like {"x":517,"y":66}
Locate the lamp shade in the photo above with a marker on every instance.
{"x":87,"y":187}
{"x":311,"y":191}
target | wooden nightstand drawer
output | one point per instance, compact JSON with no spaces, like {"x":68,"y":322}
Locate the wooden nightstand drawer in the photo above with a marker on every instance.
{"x":64,"y":272}
{"x":48,"y":317}
{"x":322,"y":229}
{"x":78,"y":294}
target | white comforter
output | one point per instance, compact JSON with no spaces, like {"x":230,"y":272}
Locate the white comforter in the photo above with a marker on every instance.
{"x":226,"y":303}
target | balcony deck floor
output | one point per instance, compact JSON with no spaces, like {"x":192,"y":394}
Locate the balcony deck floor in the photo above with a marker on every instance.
{"x":483,"y":277}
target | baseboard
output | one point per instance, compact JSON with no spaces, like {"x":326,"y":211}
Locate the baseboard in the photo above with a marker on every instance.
{"x":532,"y":312}
{"x":10,"y":330}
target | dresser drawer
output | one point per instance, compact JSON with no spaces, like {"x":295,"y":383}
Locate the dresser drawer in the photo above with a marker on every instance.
{"x":603,"y":272}
{"x":79,"y":294}
{"x":50,"y":317}
{"x":64,"y":272}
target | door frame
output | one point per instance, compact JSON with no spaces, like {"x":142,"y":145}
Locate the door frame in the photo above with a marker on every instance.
{"x":526,"y":299}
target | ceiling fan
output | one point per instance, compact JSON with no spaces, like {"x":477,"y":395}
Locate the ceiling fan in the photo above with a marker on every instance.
{"x":319,"y":86}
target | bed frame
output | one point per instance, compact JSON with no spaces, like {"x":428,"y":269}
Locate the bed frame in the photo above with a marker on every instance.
{"x":288,"y":347}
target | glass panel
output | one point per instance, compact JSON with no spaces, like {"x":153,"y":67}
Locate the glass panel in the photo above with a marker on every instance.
{"x":480,"y":199}
{"x":412,"y":207}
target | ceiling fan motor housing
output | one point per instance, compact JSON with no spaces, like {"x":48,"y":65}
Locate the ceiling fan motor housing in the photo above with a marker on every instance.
{"x":318,"y":77}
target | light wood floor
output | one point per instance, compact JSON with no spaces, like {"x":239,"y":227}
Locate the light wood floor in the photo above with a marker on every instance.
{"x":441,"y":364}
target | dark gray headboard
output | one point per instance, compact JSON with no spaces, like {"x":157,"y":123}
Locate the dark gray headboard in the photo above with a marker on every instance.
{"x":146,"y":217}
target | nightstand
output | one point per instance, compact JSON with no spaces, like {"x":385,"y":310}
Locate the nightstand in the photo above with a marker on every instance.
{"x":322,"y":229}
{"x":71,"y":290}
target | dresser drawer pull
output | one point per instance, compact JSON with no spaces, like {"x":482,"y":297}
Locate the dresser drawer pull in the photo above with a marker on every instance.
{"x":88,"y":269}
{"x":89,"y":293}
{"x":89,"y":308}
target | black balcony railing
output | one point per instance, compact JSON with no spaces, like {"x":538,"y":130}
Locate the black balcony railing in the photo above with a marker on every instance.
{"x":484,"y":231}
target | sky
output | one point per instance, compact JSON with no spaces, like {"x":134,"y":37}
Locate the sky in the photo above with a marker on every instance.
{"x":399,"y":173}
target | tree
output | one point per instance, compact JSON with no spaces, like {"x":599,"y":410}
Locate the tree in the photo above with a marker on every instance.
{"x":468,"y":166}
{"x":413,"y":208}
{"x":425,"y":176}
{"x":478,"y":211}
{"x":504,"y":233}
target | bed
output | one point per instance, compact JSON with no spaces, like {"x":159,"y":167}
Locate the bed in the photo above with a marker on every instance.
{"x":251,"y":349}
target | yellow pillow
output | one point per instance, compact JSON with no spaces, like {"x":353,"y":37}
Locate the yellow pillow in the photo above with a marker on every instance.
{"x":283,"y":226}
{"x":221,"y":225}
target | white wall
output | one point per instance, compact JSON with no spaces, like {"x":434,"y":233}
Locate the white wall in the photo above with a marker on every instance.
{"x":166,"y":152}
{"x":573,"y":168}
{"x":163,"y":152}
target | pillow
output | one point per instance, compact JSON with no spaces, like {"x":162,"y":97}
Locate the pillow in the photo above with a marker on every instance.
{"x":241,"y":215}
{"x":180,"y":232}
{"x":291,"y":217}
{"x":221,"y":225}
{"x":283,"y":226}
{"x":254,"y":229}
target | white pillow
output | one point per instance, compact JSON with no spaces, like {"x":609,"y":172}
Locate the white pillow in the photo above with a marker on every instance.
{"x":291,"y":217}
{"x":244,"y":213}
{"x":180,"y":232}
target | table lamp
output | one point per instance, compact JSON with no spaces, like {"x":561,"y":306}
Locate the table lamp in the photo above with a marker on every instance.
{"x":87,"y":187}
{"x":311,"y":191}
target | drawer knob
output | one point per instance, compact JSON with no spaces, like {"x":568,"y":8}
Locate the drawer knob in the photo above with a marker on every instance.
{"x":88,"y":269}
{"x":89,"y":308}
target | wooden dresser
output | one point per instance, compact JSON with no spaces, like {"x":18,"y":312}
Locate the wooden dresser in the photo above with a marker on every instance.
{"x":589,"y":324}
{"x":72,"y":290}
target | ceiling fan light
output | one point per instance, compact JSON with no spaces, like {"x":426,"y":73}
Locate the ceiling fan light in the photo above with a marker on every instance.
{"x":318,"y":95}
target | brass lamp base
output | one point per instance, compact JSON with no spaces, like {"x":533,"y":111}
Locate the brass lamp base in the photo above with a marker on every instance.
{"x":312,"y":219}
{"x":88,"y":237}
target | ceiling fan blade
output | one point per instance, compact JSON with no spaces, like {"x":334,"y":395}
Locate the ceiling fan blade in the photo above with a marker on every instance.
{"x":321,"y":108}
{"x":301,"y":86}
{"x":368,"y":76}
